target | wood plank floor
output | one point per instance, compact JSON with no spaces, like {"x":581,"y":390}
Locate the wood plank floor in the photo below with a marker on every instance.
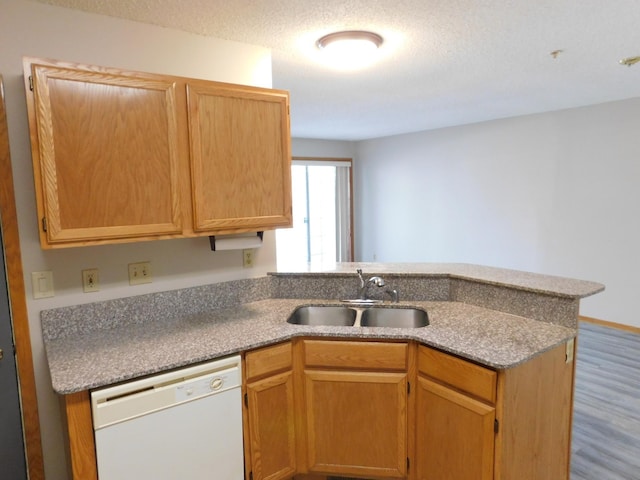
{"x":606,"y":424}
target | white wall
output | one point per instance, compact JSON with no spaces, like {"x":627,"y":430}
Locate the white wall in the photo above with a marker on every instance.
{"x":555,"y":193}
{"x":309,"y":147}
{"x":34,"y":29}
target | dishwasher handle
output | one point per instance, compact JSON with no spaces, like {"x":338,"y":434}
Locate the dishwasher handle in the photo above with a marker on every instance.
{"x":141,"y":397}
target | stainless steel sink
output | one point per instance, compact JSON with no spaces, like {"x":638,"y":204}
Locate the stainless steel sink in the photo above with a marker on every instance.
{"x":394,"y":317}
{"x":334,"y":316}
{"x":339,"y":316}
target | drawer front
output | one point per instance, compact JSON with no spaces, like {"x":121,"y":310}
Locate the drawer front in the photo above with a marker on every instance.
{"x":268,"y":360}
{"x":358,"y":355}
{"x":460,"y":374}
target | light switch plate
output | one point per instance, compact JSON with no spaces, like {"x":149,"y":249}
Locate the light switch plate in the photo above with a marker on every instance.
{"x":42,"y":284}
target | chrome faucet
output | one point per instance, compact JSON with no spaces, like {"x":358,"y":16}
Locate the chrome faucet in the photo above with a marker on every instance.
{"x":377,"y":281}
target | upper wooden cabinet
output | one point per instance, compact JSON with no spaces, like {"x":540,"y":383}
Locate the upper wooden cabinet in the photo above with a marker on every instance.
{"x":106,"y":154}
{"x":240,"y":162}
{"x":125,"y":156}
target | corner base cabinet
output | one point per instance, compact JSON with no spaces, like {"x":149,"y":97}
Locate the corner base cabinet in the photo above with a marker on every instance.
{"x":455,"y":418}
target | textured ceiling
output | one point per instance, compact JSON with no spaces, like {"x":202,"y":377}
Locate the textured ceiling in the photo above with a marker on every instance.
{"x":443,"y":63}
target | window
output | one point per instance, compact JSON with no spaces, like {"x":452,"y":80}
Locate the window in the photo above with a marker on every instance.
{"x":321,"y":233}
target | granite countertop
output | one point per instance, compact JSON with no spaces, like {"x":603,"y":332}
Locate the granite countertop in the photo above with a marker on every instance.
{"x":525,"y":281}
{"x":91,"y":359}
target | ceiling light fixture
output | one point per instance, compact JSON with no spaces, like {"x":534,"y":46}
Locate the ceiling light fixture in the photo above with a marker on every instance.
{"x":368,"y":40}
{"x":351,"y":49}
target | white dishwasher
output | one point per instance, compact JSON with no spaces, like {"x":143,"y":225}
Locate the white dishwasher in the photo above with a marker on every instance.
{"x":185,"y":424}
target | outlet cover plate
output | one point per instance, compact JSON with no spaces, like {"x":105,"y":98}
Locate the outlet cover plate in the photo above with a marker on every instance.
{"x":90,"y":280}
{"x":140,"y":273}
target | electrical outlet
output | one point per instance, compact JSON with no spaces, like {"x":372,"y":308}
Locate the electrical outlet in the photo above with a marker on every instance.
{"x":570,"y":350}
{"x":90,"y":280}
{"x":247,"y":258}
{"x":140,"y":273}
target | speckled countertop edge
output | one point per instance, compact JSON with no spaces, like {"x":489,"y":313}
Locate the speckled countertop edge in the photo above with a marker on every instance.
{"x":94,"y":359}
{"x":520,"y":280}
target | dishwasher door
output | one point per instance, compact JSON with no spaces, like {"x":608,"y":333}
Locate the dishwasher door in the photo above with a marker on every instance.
{"x":185,"y":424}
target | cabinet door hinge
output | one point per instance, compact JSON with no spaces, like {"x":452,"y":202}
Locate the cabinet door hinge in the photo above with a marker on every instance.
{"x":251,"y":475}
{"x":408,"y":388}
{"x":496,"y":426}
{"x":31,"y":83}
{"x":246,"y":401}
{"x":44,"y":224}
{"x":408,"y":464}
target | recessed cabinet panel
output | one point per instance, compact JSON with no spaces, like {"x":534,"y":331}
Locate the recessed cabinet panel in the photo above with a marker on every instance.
{"x":355,"y":355}
{"x":357,"y":423}
{"x":455,"y":435}
{"x":105,"y":154}
{"x":460,"y":374}
{"x":240,"y":157}
{"x":271,"y":427}
{"x":268,"y":360}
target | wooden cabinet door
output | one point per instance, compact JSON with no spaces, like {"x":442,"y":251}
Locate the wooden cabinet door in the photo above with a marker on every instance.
{"x":454,"y":435}
{"x":357,"y":423}
{"x":271,"y":427}
{"x":240,"y":157}
{"x":105,"y":151}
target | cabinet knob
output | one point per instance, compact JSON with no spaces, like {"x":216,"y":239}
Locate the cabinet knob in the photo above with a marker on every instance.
{"x":1,"y":354}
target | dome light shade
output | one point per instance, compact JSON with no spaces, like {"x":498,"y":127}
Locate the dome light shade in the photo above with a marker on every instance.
{"x":350,"y":50}
{"x":350,"y":36}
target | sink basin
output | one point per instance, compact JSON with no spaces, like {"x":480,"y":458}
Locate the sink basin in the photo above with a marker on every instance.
{"x":334,"y":316}
{"x":394,"y":317}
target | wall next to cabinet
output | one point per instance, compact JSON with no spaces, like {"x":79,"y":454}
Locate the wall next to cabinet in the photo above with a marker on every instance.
{"x":310,"y":147}
{"x":554,"y":193}
{"x":29,"y":28}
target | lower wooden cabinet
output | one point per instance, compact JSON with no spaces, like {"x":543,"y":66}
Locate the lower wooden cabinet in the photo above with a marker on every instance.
{"x":455,"y":418}
{"x":455,"y":434}
{"x":375,"y":409}
{"x":270,"y":452}
{"x":271,"y":427}
{"x":318,"y":409}
{"x":357,"y":423}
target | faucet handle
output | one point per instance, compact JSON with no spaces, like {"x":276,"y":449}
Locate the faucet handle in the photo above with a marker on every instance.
{"x":395,"y":296}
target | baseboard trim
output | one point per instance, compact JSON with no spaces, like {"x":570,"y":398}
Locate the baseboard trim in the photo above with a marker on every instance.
{"x":605,"y":323}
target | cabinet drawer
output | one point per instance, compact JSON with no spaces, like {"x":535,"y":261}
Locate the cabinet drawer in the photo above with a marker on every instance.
{"x":268,"y":360}
{"x":364,"y":355}
{"x":458,"y":373}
